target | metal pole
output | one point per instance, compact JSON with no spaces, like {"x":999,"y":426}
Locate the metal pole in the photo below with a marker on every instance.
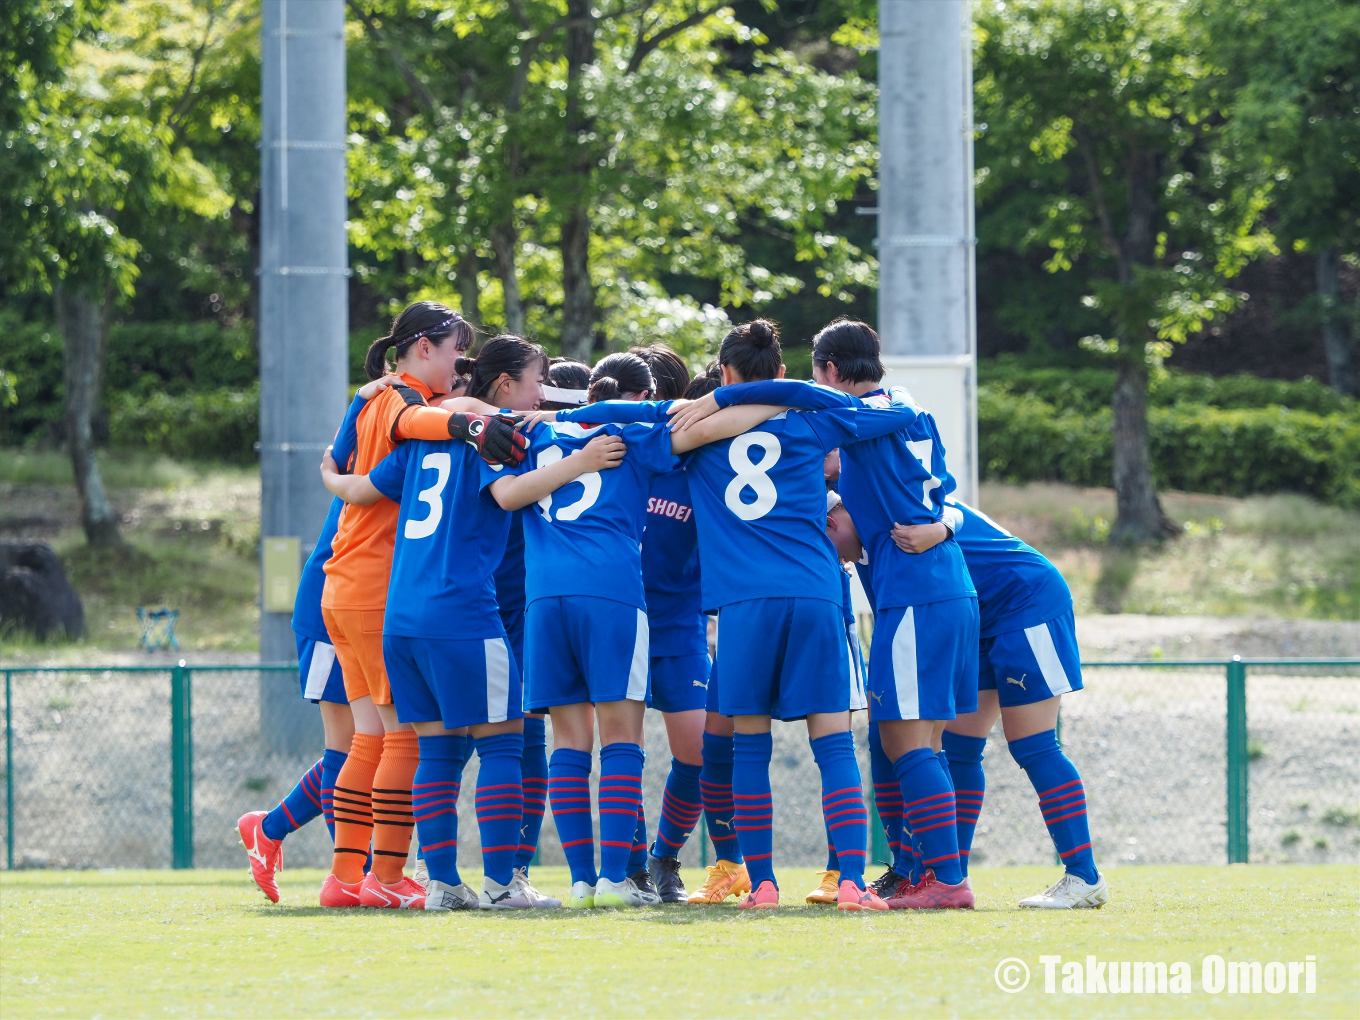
{"x":926,"y":307}
{"x":304,"y":291}
{"x":1238,"y":844}
{"x":9,"y":772}
{"x":182,"y":766}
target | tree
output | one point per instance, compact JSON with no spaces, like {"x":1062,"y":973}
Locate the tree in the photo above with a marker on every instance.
{"x":104,"y":160}
{"x":1098,"y":145}
{"x":1288,"y":74}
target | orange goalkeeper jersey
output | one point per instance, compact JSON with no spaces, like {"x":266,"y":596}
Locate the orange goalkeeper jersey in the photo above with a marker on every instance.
{"x":361,"y":555}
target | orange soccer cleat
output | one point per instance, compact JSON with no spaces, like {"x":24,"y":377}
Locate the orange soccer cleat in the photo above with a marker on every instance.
{"x":724,"y":879}
{"x":403,"y":895}
{"x":827,"y":884}
{"x":852,"y":897}
{"x":266,"y":855}
{"x":764,"y":897}
{"x":335,"y":893}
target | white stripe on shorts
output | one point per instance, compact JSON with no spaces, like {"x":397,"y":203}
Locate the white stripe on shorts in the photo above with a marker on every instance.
{"x":497,"y":679}
{"x":858,"y":699}
{"x":637,"y":673}
{"x":323,"y":658}
{"x":904,"y":667}
{"x":1046,"y":655}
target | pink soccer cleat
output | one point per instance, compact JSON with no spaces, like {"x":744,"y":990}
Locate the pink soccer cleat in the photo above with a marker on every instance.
{"x":335,"y":893}
{"x":266,"y":855}
{"x":932,"y":894}
{"x":851,"y":897}
{"x":404,"y":895}
{"x":763,"y":897}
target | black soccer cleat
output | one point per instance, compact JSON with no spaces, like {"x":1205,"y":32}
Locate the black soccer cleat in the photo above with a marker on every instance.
{"x":887,"y":884}
{"x":665,"y":872}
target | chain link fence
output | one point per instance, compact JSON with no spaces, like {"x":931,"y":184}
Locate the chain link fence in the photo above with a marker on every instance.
{"x":150,"y":767}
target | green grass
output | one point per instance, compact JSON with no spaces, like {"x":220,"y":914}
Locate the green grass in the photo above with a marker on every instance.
{"x":206,"y":944}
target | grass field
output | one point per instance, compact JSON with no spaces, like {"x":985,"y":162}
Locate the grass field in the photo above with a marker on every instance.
{"x":206,"y":944}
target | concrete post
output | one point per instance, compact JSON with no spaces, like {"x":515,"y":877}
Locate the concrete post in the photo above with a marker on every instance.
{"x":304,"y":321}
{"x":926,"y":307}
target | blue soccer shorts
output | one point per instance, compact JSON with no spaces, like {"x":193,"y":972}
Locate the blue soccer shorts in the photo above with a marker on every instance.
{"x":459,"y":682}
{"x":514,"y":633}
{"x":1031,"y":665}
{"x":924,"y":660}
{"x":679,"y":683}
{"x":584,"y":649}
{"x":319,"y":671}
{"x":785,"y":658}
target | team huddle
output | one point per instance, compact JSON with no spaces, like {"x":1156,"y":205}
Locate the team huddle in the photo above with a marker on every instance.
{"x":516,"y":538}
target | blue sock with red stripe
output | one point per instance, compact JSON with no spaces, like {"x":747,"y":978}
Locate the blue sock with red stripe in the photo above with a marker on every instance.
{"x":888,"y":801}
{"x":434,"y":803}
{"x":928,"y":811}
{"x":302,"y":804}
{"x":569,"y":795}
{"x":754,"y":807}
{"x":331,"y":762}
{"x":500,"y":803}
{"x":1062,"y":799}
{"x":847,"y":819}
{"x":715,"y":791}
{"x":681,"y":806}
{"x":963,"y":757}
{"x":620,"y":807}
{"x":637,"y":857}
{"x":833,"y":862}
{"x":534,"y":772}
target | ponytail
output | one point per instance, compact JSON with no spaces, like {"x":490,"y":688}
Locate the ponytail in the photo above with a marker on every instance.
{"x":618,"y":374}
{"x":752,"y":350}
{"x":427,"y":319}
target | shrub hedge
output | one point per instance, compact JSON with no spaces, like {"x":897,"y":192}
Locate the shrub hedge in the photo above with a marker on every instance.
{"x":1195,"y":447}
{"x":221,"y":424}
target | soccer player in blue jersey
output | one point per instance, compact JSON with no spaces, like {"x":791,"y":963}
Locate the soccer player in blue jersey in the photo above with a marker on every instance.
{"x":923,"y":663}
{"x":1028,"y":660}
{"x":450,"y":537}
{"x":262,"y":832}
{"x":761,"y":505}
{"x":586,"y":642}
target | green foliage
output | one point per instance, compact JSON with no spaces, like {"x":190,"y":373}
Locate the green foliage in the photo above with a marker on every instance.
{"x":1087,"y":390}
{"x":1194,"y":447}
{"x":221,"y":424}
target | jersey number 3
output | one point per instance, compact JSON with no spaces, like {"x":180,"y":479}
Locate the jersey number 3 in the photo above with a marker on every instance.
{"x":433,"y":496}
{"x":753,"y":476}
{"x":591,"y":481}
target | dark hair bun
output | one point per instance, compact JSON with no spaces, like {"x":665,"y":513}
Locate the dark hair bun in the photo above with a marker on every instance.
{"x":464,"y":366}
{"x":762,"y":333}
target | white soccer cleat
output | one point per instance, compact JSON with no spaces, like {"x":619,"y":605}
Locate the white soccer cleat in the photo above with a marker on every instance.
{"x":1071,"y":893}
{"x":624,"y":894}
{"x":582,"y":895}
{"x":536,"y":898}
{"x":440,"y":896}
{"x":504,"y":897}
{"x":422,"y":873}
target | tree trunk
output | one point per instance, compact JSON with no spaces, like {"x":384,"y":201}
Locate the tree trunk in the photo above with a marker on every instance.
{"x":83,"y":320}
{"x":469,"y":293}
{"x":1340,"y":363}
{"x":578,"y":300}
{"x":1139,"y":511}
{"x":505,"y":243}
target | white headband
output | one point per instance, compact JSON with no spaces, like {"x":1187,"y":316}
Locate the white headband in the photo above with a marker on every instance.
{"x":560,"y":396}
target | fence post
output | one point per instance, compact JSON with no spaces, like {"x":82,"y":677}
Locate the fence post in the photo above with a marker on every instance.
{"x":9,"y":772}
{"x":182,"y":765}
{"x":1238,"y":846}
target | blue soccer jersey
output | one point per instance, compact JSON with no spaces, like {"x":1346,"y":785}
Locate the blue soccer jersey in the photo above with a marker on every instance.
{"x":307,"y":620}
{"x":898,"y":478}
{"x":585,"y":538}
{"x":670,"y":569}
{"x":1017,"y":587}
{"x":450,"y":539}
{"x":510,"y":573}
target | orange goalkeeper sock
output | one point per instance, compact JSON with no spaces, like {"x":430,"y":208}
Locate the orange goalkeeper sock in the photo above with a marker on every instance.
{"x":392,"y":816}
{"x":354,"y":807}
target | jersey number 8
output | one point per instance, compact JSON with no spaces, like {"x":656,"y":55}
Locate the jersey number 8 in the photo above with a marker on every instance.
{"x":753,"y":476}
{"x":591,"y":481}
